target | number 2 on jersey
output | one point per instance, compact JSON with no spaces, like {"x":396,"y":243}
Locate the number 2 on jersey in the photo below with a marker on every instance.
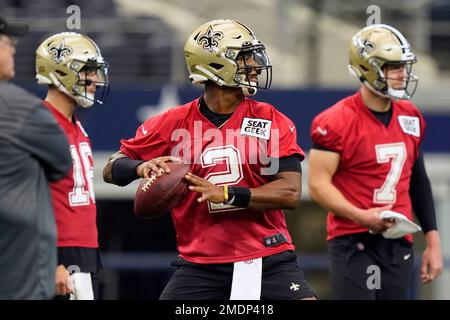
{"x":233,"y":175}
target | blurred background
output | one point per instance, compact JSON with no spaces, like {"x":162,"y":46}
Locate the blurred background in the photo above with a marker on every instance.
{"x":307,"y":42}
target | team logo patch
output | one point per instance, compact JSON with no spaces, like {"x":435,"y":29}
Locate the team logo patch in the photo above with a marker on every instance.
{"x":410,"y":125}
{"x":59,"y":51}
{"x":209,"y":40}
{"x":259,"y":128}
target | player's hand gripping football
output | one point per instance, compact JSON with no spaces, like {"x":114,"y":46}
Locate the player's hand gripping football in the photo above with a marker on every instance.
{"x":156,"y":165}
{"x":208,"y":190}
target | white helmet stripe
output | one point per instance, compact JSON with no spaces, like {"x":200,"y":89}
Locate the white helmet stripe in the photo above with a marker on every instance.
{"x":401,"y":38}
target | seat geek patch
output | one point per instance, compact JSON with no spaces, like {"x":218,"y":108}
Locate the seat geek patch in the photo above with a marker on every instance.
{"x":259,"y":128}
{"x":410,"y":125}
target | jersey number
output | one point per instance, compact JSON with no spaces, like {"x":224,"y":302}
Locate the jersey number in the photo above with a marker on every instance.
{"x":230,"y":155}
{"x":396,"y":153}
{"x":83,"y":191}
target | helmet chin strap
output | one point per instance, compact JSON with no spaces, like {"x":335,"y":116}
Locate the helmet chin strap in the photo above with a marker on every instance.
{"x":85,"y":102}
{"x":250,"y":91}
{"x":391,"y":92}
{"x":399,"y":94}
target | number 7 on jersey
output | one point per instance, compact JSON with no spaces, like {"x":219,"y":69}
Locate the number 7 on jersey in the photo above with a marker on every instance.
{"x":396,"y":153}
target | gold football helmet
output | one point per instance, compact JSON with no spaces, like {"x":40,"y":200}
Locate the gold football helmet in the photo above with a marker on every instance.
{"x":65,"y":60}
{"x":375,"y":47}
{"x":227,"y":53}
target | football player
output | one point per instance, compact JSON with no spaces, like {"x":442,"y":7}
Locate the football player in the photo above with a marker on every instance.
{"x":72,"y":67}
{"x":367,"y":159}
{"x":232,"y":237}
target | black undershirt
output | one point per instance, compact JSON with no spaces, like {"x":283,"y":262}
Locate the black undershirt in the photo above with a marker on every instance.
{"x":216,"y":119}
{"x":420,"y":187}
{"x":385,"y":117}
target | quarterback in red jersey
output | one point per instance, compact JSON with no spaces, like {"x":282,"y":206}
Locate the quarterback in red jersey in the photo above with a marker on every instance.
{"x":73,"y":68}
{"x":232,"y":237}
{"x":366,"y":160}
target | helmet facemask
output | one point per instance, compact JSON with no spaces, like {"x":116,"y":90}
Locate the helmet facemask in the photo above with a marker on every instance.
{"x":254,"y":70}
{"x":92,"y":73}
{"x":383,"y":85}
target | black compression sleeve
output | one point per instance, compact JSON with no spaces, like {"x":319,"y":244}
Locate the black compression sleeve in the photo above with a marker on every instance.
{"x":290,"y":163}
{"x":421,"y":196}
{"x":123,"y":171}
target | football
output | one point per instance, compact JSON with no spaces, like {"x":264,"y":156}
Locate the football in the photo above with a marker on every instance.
{"x":158,"y":195}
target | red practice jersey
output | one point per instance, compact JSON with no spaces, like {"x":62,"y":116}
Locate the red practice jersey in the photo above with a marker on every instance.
{"x":375,"y":161}
{"x":236,"y":154}
{"x":73,"y":196}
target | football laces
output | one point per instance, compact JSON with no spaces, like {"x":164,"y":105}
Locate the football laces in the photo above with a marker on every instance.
{"x":150,"y":180}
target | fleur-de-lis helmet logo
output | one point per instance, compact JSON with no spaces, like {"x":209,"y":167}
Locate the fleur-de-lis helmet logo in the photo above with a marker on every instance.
{"x":210,"y":39}
{"x":59,"y":51}
{"x":365,"y":46}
